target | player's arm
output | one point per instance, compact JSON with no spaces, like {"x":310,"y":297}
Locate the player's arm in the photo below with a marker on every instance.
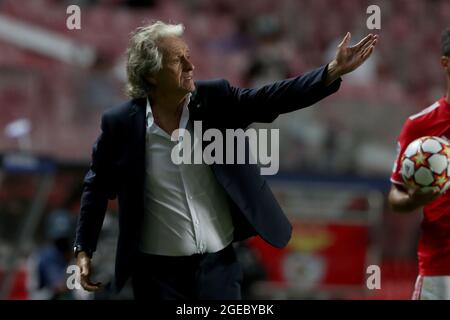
{"x":401,"y":198}
{"x":406,"y":200}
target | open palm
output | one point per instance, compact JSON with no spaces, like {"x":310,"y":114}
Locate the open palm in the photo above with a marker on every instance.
{"x":349,"y":58}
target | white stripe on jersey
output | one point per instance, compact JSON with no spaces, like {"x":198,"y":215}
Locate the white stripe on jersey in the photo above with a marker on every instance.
{"x":425,"y":111}
{"x":397,"y":182}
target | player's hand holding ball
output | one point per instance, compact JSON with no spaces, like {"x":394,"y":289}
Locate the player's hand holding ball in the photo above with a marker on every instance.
{"x":422,"y":196}
{"x":426,"y":168}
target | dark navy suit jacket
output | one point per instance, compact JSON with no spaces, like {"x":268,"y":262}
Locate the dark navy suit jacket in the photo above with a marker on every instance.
{"x":118,"y":162}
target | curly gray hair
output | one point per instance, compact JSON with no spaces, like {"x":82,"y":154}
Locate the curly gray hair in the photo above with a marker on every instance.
{"x":144,"y":57}
{"x":445,"y":42}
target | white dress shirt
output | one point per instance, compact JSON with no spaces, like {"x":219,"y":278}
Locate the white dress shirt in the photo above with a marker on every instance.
{"x":186,"y":210}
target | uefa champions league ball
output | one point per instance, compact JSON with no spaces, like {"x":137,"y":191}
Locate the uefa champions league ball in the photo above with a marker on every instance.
{"x":425,"y":163}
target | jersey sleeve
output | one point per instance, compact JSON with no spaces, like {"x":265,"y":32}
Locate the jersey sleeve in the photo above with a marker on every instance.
{"x":409,"y":133}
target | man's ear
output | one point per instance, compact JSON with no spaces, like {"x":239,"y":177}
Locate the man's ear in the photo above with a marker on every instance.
{"x":445,"y":62}
{"x":151,"y":80}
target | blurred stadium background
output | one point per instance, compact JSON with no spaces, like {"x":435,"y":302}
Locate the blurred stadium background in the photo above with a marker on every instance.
{"x":335,"y":161}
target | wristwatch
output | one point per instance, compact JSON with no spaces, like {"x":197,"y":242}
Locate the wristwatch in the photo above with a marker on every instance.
{"x":78,"y":248}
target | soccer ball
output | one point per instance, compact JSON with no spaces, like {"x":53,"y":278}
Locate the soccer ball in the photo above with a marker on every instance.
{"x":425,"y":163}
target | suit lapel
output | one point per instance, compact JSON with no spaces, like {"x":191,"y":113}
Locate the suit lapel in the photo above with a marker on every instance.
{"x":137,"y":135}
{"x":196,"y":113}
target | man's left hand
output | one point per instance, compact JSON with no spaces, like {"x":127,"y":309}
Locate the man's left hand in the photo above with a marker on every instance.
{"x":349,"y":58}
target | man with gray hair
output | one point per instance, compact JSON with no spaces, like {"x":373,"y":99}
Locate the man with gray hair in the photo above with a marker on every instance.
{"x":178,"y":221}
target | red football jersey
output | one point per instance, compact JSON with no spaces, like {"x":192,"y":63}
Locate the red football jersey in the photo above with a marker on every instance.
{"x":434,"y":243}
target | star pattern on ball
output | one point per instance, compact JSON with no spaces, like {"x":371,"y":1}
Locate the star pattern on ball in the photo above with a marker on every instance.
{"x":420,"y":159}
{"x":446,"y":151}
{"x":427,"y":163}
{"x":441,"y":180}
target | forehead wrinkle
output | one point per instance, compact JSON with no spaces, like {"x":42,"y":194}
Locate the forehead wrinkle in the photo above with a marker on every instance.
{"x":177,"y":46}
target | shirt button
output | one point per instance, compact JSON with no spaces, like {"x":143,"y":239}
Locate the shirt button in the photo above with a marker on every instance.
{"x":190,"y":197}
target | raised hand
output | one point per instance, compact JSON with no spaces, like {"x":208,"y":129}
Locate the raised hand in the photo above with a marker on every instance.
{"x":349,"y":58}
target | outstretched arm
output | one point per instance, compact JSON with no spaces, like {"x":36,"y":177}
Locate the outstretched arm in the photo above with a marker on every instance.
{"x":265,"y":104}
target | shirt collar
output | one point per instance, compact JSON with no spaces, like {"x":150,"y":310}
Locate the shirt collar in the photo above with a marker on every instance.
{"x":152,"y":127}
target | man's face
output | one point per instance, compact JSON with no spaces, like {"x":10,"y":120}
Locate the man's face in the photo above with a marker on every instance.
{"x":176,"y":75}
{"x":445,"y":62}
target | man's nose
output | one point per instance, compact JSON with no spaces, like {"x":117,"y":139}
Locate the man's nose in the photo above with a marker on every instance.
{"x":188,"y":66}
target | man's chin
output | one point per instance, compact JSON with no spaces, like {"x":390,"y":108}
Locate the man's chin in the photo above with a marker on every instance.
{"x":190,"y":88}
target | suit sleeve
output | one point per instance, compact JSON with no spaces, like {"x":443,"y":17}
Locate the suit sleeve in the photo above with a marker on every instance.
{"x":97,"y":189}
{"x":265,"y":104}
